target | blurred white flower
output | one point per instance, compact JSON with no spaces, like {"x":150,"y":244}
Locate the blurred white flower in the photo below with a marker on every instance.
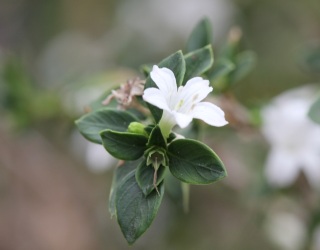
{"x":181,"y":105}
{"x":293,"y":137}
{"x":286,"y":230}
{"x":96,"y":158}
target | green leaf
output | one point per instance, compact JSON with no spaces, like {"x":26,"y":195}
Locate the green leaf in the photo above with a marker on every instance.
{"x":314,"y":112}
{"x":177,"y":64}
{"x":173,"y":188}
{"x":156,"y":138}
{"x":222,"y":68}
{"x":245,"y":61}
{"x":146,"y":69}
{"x":119,"y":174}
{"x":91,"y":124}
{"x":198,"y":62}
{"x":135,"y":211}
{"x":200,"y":36}
{"x":145,"y":177}
{"x":124,"y":145}
{"x":310,"y":59}
{"x":193,"y":162}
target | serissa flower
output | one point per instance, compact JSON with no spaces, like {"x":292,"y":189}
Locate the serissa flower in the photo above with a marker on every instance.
{"x":293,"y":137}
{"x":181,"y":105}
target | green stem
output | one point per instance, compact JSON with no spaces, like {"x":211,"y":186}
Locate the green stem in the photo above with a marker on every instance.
{"x":166,"y":124}
{"x":185,"y":196}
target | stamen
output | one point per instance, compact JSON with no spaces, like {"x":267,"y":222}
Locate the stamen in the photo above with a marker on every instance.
{"x":179,"y":105}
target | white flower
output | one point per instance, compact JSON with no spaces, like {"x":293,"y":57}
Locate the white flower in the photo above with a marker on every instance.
{"x":98,"y":159}
{"x":294,"y":227}
{"x":181,"y":105}
{"x":294,"y":139}
{"x":95,"y":157}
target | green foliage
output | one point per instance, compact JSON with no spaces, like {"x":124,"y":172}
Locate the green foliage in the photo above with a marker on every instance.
{"x":156,"y":138}
{"x":138,"y":185}
{"x":22,"y":100}
{"x":222,"y":68}
{"x":244,"y":63}
{"x":91,"y":124}
{"x":123,"y":145}
{"x":310,"y":59}
{"x":314,"y":112}
{"x":135,"y":211}
{"x":148,"y":178}
{"x":195,"y":163}
{"x":119,"y":174}
{"x":146,"y":69}
{"x":198,"y":62}
{"x":200,"y":36}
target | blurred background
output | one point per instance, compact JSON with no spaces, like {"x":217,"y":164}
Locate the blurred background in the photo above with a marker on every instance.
{"x":57,"y":56}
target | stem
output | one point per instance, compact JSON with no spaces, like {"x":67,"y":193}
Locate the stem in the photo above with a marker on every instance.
{"x":185,"y":196}
{"x":166,"y":123}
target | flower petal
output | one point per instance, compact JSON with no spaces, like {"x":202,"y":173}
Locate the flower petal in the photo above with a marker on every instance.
{"x":310,"y":165}
{"x":182,"y":120}
{"x":195,"y":90}
{"x":155,"y":97}
{"x":164,"y":79}
{"x":198,"y":87}
{"x":210,"y":114}
{"x":281,"y":168}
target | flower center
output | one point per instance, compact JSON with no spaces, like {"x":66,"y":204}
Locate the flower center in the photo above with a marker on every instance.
{"x":179,"y":105}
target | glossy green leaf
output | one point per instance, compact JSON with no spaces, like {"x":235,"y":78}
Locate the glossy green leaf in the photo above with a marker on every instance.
{"x":220,"y":69}
{"x":135,"y":211}
{"x":119,"y":174}
{"x":314,"y":112}
{"x":145,"y":177}
{"x":310,"y":59}
{"x":193,"y":162}
{"x":124,"y":145}
{"x":200,"y":36}
{"x":177,"y":64}
{"x":198,"y":62}
{"x":245,"y":61}
{"x":156,"y":138}
{"x":91,"y":124}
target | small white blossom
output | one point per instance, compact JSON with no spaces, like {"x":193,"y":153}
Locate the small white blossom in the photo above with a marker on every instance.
{"x":181,"y":105}
{"x":294,"y":139}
